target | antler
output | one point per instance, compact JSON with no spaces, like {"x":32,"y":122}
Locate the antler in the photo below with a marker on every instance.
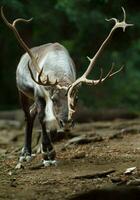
{"x":83,"y":79}
{"x":42,"y":78}
{"x":41,"y":81}
{"x":12,"y":26}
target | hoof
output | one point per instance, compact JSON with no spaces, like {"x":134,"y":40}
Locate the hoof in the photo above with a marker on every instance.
{"x":47,"y":163}
{"x":25,"y":158}
{"x":19,"y":166}
{"x":49,"y":155}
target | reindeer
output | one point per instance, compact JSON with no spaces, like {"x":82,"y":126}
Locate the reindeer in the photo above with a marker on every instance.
{"x":46,"y":74}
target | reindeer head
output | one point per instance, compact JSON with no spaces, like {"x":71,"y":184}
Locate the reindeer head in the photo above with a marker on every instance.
{"x":60,"y":103}
{"x":64,"y":96}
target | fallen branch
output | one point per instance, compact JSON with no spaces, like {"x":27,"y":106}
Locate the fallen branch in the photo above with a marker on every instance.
{"x":124,"y":131}
{"x":84,"y":139}
{"x":36,"y":167}
{"x":95,"y":175}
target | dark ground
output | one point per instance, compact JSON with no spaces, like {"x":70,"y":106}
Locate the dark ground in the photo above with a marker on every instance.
{"x":97,"y":159}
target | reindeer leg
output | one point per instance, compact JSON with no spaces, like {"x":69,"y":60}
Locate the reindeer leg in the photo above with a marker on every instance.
{"x":29,"y":118}
{"x":47,"y":147}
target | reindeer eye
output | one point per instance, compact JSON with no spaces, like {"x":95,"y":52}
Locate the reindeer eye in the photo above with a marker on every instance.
{"x":76,"y":98}
{"x":54,"y":99}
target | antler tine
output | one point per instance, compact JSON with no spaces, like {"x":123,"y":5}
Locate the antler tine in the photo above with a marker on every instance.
{"x":46,"y":82}
{"x":31,"y":73}
{"x":47,"y":79}
{"x":39,"y":77}
{"x":94,"y":82}
{"x":4,"y":18}
{"x":121,"y":68}
{"x":21,"y":20}
{"x":56,"y":82}
{"x":109,"y":73}
{"x":112,"y":19}
{"x":124,"y":14}
{"x":39,"y":82}
{"x":101,"y":76}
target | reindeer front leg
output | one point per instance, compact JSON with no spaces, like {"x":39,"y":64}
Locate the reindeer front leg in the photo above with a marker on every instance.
{"x":29,"y":118}
{"x":47,"y":147}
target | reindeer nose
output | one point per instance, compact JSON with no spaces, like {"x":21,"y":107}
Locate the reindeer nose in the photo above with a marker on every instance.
{"x":66,"y":123}
{"x":62,"y":123}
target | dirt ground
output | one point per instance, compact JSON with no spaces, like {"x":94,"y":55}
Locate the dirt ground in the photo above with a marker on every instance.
{"x":93,"y":156}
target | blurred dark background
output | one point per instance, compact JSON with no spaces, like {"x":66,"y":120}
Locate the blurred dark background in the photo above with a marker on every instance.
{"x":81,"y":27}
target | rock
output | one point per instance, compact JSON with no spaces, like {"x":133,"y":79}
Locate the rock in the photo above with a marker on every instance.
{"x":130,"y":170}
